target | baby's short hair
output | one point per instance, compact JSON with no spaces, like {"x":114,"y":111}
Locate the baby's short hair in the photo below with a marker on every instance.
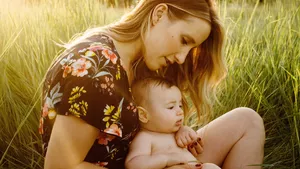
{"x":140,"y":87}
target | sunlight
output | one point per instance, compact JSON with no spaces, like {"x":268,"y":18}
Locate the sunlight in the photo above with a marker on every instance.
{"x":11,"y":5}
{"x":261,"y":52}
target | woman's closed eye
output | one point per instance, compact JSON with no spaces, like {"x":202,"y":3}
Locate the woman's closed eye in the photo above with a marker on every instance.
{"x":183,"y":41}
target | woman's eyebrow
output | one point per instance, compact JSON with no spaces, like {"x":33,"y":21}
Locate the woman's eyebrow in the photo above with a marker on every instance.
{"x":189,"y":38}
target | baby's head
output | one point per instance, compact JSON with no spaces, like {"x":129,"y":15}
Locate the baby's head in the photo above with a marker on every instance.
{"x":159,"y":104}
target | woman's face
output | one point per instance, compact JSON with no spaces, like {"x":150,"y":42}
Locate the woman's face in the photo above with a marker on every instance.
{"x":169,"y":41}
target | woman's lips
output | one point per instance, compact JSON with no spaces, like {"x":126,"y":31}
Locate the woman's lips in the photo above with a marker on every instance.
{"x":167,"y":62}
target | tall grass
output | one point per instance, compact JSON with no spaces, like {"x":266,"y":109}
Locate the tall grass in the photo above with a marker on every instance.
{"x":28,"y":34}
{"x":263,"y":55}
{"x":262,"y":51}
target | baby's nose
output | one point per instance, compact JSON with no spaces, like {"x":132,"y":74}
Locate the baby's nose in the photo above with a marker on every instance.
{"x":179,"y":112}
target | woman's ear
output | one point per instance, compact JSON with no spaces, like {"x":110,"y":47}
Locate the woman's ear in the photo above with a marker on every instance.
{"x":143,"y":114}
{"x":159,"y":11}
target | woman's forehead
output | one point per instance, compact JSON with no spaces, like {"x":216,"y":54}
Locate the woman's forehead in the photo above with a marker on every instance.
{"x":196,"y":28}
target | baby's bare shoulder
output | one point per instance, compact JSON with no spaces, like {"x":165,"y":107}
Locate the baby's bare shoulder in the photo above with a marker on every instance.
{"x":142,"y":136}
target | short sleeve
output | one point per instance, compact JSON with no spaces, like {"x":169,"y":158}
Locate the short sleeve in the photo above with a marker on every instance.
{"x":85,"y":86}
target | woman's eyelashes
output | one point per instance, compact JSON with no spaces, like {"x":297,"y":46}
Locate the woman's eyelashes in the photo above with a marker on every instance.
{"x":183,"y":41}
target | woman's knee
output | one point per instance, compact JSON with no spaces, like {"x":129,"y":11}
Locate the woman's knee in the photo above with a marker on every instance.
{"x":210,"y":166}
{"x":250,"y":118}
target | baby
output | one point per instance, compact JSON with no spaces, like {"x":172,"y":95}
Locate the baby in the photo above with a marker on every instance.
{"x":161,"y":116}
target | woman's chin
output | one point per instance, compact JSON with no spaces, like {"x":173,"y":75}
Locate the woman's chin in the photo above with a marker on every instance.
{"x":153,"y":67}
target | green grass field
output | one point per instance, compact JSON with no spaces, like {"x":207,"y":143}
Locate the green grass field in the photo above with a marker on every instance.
{"x":262,"y":52}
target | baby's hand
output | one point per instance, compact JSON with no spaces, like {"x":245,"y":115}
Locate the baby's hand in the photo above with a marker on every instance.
{"x":187,"y":137}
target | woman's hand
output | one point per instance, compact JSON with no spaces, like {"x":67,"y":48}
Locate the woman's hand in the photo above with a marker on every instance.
{"x":175,"y":159}
{"x":187,"y":137}
{"x":186,"y":166}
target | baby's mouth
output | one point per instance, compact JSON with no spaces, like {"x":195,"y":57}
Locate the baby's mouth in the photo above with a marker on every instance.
{"x":179,"y":122}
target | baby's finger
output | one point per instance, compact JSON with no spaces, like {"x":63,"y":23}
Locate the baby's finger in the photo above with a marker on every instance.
{"x":193,"y":136}
{"x":180,"y":143}
{"x":184,"y":141}
{"x":189,"y":140}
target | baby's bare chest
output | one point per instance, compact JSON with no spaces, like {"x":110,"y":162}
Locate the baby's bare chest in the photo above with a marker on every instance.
{"x":167,"y":144}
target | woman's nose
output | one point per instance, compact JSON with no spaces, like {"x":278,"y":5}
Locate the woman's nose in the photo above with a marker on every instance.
{"x":180,"y":57}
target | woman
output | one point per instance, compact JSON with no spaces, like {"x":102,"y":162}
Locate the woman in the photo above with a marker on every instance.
{"x":88,"y":117}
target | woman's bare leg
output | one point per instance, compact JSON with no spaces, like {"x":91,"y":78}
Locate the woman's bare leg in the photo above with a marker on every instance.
{"x":234,"y":140}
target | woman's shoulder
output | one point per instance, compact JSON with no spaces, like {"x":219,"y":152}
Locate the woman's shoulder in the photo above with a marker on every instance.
{"x":94,"y":43}
{"x":97,"y":51}
{"x":88,"y":81}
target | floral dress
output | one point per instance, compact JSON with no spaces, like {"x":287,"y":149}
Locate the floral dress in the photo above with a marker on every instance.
{"x":89,"y":82}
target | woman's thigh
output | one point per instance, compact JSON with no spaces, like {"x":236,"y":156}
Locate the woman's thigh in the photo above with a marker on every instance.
{"x":221,"y":134}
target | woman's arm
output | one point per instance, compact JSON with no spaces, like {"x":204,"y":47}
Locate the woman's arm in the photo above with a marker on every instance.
{"x":70,"y":141}
{"x":186,"y":166}
{"x":86,"y":165}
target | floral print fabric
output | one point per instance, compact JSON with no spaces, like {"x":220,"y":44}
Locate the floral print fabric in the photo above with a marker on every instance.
{"x":90,"y":83}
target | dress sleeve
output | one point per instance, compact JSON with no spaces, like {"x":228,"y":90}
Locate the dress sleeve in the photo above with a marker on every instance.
{"x":84,"y":85}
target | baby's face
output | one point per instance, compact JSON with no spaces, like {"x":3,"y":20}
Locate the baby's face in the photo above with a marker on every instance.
{"x":165,"y":109}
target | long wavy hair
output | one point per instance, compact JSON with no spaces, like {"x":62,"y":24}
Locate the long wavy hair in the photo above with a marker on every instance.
{"x":204,"y":66}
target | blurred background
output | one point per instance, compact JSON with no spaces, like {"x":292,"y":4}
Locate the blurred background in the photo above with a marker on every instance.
{"x":262,"y":52}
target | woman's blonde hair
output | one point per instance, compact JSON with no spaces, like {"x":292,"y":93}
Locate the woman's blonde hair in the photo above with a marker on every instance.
{"x":204,"y":66}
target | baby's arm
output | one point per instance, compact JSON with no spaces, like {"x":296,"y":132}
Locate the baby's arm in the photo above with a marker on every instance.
{"x":140,"y":155}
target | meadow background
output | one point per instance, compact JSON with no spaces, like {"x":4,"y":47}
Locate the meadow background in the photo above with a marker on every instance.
{"x":262,"y":52}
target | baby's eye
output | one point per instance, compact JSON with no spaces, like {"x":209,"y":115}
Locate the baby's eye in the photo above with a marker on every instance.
{"x":180,"y":106}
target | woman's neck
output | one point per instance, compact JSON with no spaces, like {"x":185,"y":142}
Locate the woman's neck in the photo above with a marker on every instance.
{"x":129,"y":52}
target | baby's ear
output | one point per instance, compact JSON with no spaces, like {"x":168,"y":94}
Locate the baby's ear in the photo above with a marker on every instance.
{"x":143,"y":114}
